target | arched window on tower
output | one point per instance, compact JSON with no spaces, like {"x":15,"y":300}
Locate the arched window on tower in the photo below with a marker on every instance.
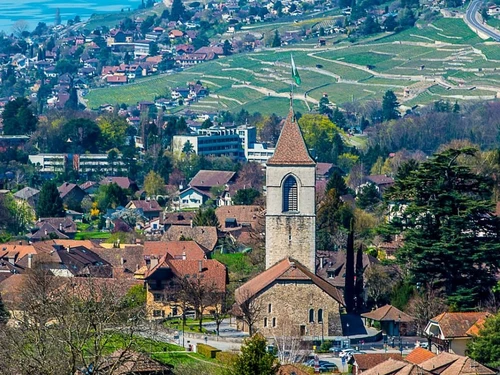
{"x":290,"y":195}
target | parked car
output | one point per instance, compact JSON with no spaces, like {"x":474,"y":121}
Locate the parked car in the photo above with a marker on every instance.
{"x":346,"y":352}
{"x":328,"y":366}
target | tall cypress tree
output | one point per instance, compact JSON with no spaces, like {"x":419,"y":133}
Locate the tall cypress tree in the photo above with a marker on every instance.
{"x":358,"y":286}
{"x":50,"y":203}
{"x":349,"y":271}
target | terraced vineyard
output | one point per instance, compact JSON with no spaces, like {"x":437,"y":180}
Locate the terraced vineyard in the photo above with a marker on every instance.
{"x":441,"y":60}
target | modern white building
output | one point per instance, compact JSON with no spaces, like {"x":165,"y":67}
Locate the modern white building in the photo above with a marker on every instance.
{"x":82,"y":163}
{"x":236,"y":142}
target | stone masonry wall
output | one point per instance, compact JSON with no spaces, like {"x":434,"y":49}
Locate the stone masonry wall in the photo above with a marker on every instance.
{"x":290,"y":304}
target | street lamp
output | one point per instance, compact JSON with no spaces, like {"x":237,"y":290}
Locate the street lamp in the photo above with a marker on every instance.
{"x":347,"y":331}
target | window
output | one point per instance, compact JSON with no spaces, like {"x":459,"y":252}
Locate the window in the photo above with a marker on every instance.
{"x":157,"y":297}
{"x":274,"y":322}
{"x":311,"y":316}
{"x":157,"y":313}
{"x":269,"y":308}
{"x":320,"y":315}
{"x":290,"y":195}
{"x":265,"y":322}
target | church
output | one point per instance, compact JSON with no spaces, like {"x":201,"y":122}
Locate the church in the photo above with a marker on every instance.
{"x":288,"y":294}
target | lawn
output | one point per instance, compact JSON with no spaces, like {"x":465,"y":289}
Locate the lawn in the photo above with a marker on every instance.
{"x":92,"y":235}
{"x":238,"y":264}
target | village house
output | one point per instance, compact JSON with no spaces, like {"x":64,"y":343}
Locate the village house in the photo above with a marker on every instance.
{"x":452,"y":331}
{"x":165,"y":277}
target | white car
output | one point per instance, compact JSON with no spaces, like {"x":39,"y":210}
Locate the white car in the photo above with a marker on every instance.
{"x":346,"y":353}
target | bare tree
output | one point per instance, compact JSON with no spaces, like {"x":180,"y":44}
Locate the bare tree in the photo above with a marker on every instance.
{"x":427,"y":303}
{"x":197,"y":293}
{"x":288,"y":342}
{"x":251,"y":309}
{"x":19,"y":28}
{"x":378,"y":283}
{"x":67,"y":324}
{"x":220,"y":307}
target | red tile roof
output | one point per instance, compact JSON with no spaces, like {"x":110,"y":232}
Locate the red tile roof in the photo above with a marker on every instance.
{"x":419,"y":355}
{"x":175,"y":249}
{"x":204,"y":236}
{"x":250,"y":215}
{"x":388,"y":313}
{"x":207,"y":179}
{"x":209,"y":271}
{"x":367,"y":361}
{"x":146,"y":206}
{"x":457,"y":324}
{"x":287,"y":269}
{"x":452,"y":364}
{"x":291,"y":148}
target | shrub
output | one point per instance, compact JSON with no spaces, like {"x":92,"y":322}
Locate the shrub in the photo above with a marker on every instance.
{"x":226,"y":358}
{"x":207,"y":350}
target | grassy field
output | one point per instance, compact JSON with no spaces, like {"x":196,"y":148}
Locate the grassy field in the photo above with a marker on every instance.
{"x":446,"y":50}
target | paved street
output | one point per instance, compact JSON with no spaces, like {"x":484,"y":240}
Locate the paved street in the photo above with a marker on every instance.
{"x":472,"y":17}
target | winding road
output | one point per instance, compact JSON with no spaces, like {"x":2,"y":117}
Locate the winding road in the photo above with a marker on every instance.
{"x":471,"y":17}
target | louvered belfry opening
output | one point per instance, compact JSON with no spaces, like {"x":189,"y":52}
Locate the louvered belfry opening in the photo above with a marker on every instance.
{"x":290,"y":195}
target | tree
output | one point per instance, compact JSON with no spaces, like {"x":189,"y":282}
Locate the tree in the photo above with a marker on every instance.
{"x":206,"y":218}
{"x":18,"y":118}
{"x":197,"y":293}
{"x":378,"y":284}
{"x":50,"y":203}
{"x":276,"y":42}
{"x":113,"y":131}
{"x":83,"y":133}
{"x":444,"y":212}
{"x":111,"y":196}
{"x":246,"y":196}
{"x":255,"y":359}
{"x":370,"y":26}
{"x":270,"y":129}
{"x":349,"y":271}
{"x":390,"y":106}
{"x":427,"y":303}
{"x":336,"y":181}
{"x":154,"y":184}
{"x":368,"y":197}
{"x":177,"y":11}
{"x":4,"y":313}
{"x":485,"y":347}
{"x":67,"y":324}
{"x":227,"y":48}
{"x":251,"y":309}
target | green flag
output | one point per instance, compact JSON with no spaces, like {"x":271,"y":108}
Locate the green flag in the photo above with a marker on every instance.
{"x":295,"y":72}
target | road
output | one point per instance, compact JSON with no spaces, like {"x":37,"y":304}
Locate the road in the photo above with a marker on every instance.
{"x":471,"y":17}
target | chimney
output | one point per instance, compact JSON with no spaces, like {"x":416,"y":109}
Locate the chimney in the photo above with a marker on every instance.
{"x":122,"y":261}
{"x":191,"y":223}
{"x":30,"y":260}
{"x":68,"y":249}
{"x":321,"y":262}
{"x":184,"y":255}
{"x":154,"y":262}
{"x":60,"y":227}
{"x":200,"y":266}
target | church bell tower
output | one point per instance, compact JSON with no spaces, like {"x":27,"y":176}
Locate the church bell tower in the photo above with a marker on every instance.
{"x":291,"y":199}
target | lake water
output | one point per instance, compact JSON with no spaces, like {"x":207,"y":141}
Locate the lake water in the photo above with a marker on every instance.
{"x":34,"y":11}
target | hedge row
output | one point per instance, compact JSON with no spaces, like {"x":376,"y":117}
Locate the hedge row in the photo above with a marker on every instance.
{"x":207,"y":350}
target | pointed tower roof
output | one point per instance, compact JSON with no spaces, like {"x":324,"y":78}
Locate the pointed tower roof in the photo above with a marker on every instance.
{"x":291,"y":148}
